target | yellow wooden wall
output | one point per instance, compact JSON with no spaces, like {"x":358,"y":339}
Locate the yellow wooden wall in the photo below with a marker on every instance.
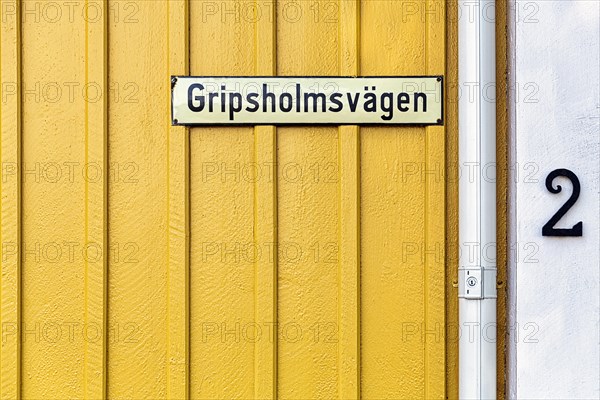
{"x":148,"y":261}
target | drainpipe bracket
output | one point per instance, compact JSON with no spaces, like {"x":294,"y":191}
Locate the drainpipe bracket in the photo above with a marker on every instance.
{"x":477,"y":283}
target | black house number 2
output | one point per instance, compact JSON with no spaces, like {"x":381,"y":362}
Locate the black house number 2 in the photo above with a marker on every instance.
{"x":549,"y":229}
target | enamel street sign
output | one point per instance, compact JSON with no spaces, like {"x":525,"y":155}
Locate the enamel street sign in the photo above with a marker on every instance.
{"x":307,"y":100}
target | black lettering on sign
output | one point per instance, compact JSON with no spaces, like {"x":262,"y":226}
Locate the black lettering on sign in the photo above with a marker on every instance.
{"x":549,"y":229}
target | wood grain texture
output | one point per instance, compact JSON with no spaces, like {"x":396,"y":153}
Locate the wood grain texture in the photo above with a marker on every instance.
{"x":178,"y":225}
{"x":239,"y":262}
{"x":222,"y":206}
{"x":54,"y":289}
{"x":452,"y":174}
{"x":402,"y":218}
{"x":502,"y":182}
{"x":96,"y":208}
{"x":138,"y":197}
{"x":434,"y":296}
{"x":308,"y":356}
{"x":10,"y":207}
{"x":349,"y":214}
{"x":265,"y":217}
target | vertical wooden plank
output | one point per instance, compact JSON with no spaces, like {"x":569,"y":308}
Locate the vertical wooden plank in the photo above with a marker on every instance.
{"x":266,"y":266}
{"x":502,"y":169}
{"x":393,"y":42}
{"x":96,"y":212}
{"x":349,"y":214}
{"x":451,"y":177}
{"x":10,"y":216}
{"x":54,"y":179}
{"x":178,"y":167}
{"x":223,"y":259}
{"x":138,"y":196}
{"x":308,"y":220}
{"x":435,"y":215}
{"x":265,"y":218}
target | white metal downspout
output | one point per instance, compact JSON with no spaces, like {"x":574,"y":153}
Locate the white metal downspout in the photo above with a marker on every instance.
{"x":477,"y":199}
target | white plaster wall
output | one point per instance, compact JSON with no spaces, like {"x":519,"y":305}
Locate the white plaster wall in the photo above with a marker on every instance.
{"x":554,"y":289}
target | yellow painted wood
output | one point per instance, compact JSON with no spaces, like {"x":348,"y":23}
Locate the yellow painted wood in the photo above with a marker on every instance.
{"x":177,"y":334}
{"x":349,"y":201}
{"x":235,"y":262}
{"x":223,"y":264}
{"x":265,"y":218}
{"x":54,"y":211}
{"x":451,"y":176}
{"x":397,"y":200}
{"x":138,"y":226}
{"x":309,"y":215}
{"x":266,"y":265}
{"x":434,"y":297}
{"x":96,"y":197}
{"x":11,"y":210}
